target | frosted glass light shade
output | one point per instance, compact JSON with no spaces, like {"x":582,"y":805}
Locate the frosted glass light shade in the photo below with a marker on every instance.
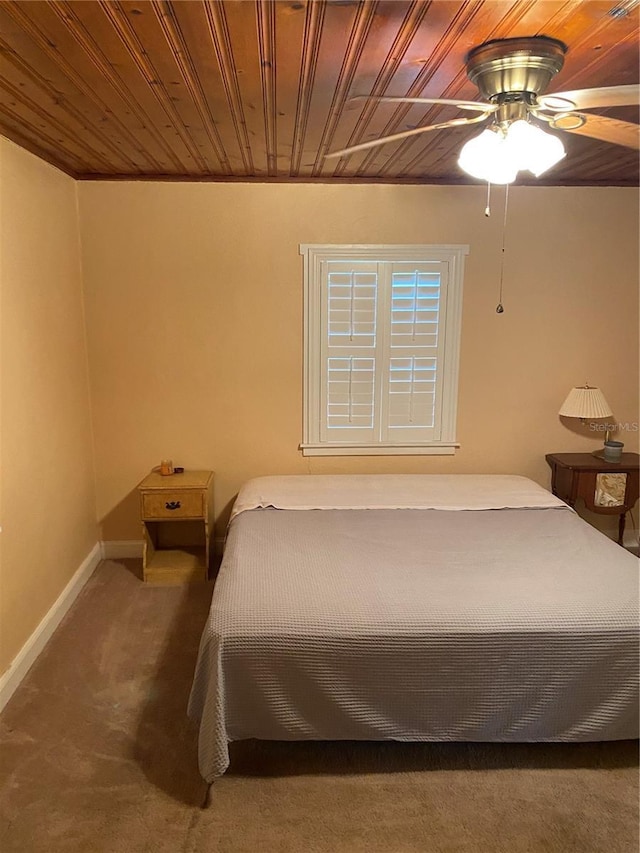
{"x":585,"y":403}
{"x":497,"y":156}
{"x":532,"y":148}
{"x":484,"y":157}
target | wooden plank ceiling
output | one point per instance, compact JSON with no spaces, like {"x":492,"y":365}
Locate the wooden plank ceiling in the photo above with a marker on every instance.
{"x":244,"y":90}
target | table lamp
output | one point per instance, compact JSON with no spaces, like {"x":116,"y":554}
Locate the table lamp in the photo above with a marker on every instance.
{"x":589,"y":403}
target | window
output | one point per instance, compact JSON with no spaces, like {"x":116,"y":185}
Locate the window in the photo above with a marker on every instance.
{"x":382,"y":342}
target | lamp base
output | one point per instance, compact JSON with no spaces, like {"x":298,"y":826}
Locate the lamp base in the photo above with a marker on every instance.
{"x":599,"y":454}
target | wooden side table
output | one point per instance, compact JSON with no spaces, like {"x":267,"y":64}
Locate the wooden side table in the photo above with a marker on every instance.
{"x":177,"y":523}
{"x":573,"y":476}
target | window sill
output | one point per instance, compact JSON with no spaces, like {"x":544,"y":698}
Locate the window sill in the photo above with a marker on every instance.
{"x":436,"y":449}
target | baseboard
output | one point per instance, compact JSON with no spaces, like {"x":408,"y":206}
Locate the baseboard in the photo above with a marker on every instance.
{"x":28,"y":654}
{"x":122,"y":549}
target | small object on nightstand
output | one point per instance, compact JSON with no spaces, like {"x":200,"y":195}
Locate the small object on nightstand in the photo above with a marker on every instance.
{"x":580,"y":475}
{"x":177,"y":526}
{"x":166,"y":467}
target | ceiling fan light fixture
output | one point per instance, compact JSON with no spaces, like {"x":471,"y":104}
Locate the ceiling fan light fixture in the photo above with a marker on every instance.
{"x":497,"y":156}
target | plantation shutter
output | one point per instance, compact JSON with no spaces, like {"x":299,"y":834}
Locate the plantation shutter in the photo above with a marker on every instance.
{"x":382,"y":336}
{"x":413,"y":351}
{"x":349,"y":376}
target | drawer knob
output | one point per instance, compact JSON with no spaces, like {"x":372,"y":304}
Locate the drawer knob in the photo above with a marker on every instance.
{"x":172,"y":505}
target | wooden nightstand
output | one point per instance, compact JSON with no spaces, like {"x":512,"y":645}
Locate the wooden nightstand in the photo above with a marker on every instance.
{"x":177,"y":523}
{"x":573,"y":476}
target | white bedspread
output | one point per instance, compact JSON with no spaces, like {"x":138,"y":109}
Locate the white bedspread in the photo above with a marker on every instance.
{"x":417,"y":624}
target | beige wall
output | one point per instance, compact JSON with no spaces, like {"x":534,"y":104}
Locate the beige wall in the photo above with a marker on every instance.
{"x":193,"y":300}
{"x":47,"y":487}
{"x":194,"y":313}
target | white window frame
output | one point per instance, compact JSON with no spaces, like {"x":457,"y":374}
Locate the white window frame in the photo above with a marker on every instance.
{"x":315,"y":256}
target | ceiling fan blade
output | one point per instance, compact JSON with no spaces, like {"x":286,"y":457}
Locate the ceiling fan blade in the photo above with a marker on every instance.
{"x":477,"y":106}
{"x":588,"y":99}
{"x":610,"y":130}
{"x":455,"y":122}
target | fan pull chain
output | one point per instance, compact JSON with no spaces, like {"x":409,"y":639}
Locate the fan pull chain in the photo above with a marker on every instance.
{"x":487,"y":210}
{"x":500,"y":307}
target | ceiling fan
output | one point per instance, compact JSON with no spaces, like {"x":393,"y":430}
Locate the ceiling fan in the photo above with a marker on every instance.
{"x":512,"y":75}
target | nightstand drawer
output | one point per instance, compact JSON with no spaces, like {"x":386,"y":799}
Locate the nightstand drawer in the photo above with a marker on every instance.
{"x":181,"y":503}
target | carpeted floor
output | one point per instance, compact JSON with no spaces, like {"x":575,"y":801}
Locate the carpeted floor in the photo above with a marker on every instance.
{"x":97,"y":755}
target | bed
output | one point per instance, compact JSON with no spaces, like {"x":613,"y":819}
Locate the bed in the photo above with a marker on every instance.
{"x":415,"y":608}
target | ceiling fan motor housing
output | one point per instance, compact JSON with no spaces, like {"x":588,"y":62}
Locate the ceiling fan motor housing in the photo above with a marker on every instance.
{"x":517,"y":65}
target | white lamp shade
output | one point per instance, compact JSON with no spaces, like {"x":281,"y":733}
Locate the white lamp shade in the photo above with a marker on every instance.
{"x":585,"y":403}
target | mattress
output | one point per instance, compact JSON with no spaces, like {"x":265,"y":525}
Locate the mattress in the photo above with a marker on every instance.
{"x":496,"y":615}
